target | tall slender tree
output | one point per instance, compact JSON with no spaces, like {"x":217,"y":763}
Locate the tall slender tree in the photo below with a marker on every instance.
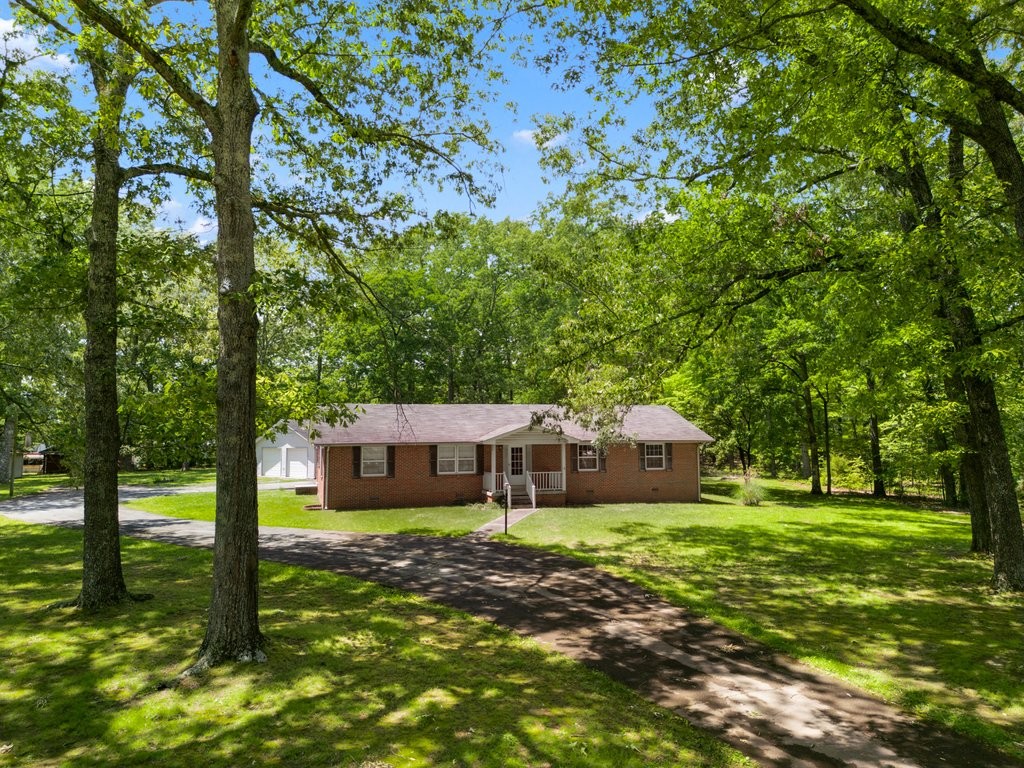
{"x":352,"y":116}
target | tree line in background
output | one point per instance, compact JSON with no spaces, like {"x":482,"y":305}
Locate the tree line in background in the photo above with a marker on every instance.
{"x":812,"y":249}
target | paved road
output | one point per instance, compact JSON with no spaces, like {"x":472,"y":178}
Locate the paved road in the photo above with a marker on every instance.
{"x":777,"y":711}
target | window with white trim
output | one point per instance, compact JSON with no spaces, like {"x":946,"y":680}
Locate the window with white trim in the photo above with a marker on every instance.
{"x":456,"y":459}
{"x":374,"y":461}
{"x":586,"y":458}
{"x":654,"y":455}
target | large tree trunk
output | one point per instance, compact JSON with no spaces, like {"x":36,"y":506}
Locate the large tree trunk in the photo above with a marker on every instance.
{"x":7,"y":450}
{"x":877,"y":470}
{"x":946,"y":473}
{"x":102,"y":577}
{"x":992,"y":451}
{"x":828,"y":445}
{"x":986,"y":424}
{"x":955,"y":308}
{"x":972,"y":481}
{"x":875,"y":442}
{"x":812,"y":432}
{"x":232,"y":631}
{"x":996,"y":137}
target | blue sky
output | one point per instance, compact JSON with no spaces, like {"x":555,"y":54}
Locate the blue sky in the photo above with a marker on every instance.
{"x":520,"y":187}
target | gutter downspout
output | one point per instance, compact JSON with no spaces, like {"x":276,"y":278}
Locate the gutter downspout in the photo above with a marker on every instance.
{"x":697,"y":453}
{"x":327,"y":474}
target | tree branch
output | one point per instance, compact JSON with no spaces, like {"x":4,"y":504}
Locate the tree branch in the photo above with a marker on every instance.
{"x":173,"y":169}
{"x":369,"y":135}
{"x":98,"y":15}
{"x":972,"y":71}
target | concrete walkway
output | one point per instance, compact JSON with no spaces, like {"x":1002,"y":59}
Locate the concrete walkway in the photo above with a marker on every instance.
{"x":779,"y":712}
{"x":498,"y":524}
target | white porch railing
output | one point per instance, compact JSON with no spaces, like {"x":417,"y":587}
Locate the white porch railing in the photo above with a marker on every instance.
{"x":542,"y":482}
{"x":547,"y":481}
{"x":531,"y":488}
{"x":494,"y":481}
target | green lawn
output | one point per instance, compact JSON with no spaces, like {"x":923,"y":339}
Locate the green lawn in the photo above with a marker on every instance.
{"x":33,"y":483}
{"x":881,"y":594}
{"x":284,"y":508}
{"x":358,"y":675}
{"x":169,"y":478}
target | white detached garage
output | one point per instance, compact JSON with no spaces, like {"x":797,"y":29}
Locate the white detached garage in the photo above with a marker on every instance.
{"x":287,"y":455}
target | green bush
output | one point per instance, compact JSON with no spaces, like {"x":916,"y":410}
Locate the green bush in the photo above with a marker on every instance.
{"x":850,"y":472}
{"x":751,"y":492}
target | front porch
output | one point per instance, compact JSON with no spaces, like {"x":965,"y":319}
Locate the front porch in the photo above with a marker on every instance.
{"x":532,"y":466}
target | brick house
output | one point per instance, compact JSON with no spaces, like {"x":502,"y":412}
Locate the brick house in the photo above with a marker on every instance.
{"x":435,"y":455}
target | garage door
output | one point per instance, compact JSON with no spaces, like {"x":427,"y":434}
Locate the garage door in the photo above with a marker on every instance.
{"x":271,"y":462}
{"x":297,"y":463}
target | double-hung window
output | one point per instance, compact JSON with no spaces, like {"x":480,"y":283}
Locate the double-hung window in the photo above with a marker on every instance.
{"x":374,"y":461}
{"x":456,"y":459}
{"x":586,"y":458}
{"x":654,"y":455}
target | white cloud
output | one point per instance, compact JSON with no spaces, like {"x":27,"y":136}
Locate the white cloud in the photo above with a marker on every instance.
{"x":529,"y":136}
{"x":171,"y":206}
{"x":525,"y":137}
{"x":15,"y":40}
{"x":661,"y":214}
{"x":203,"y":229}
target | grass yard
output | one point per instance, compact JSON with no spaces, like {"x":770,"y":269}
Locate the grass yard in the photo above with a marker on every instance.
{"x":168,"y":478}
{"x":881,"y":594}
{"x":33,"y":483}
{"x":284,"y":508}
{"x":358,"y":675}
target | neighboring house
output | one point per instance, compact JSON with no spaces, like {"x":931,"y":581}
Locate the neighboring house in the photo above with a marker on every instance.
{"x":287,"y":454}
{"x":432,"y":455}
{"x":53,"y":462}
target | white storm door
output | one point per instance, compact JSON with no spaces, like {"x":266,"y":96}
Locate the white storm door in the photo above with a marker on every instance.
{"x":516,"y":465}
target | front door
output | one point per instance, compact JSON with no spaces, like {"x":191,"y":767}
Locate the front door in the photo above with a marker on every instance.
{"x":516,"y":466}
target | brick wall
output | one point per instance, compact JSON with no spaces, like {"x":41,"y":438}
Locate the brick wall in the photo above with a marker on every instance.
{"x":548,"y":458}
{"x":625,"y":481}
{"x":412,"y":485}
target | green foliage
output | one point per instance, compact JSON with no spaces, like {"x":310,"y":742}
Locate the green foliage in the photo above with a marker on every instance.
{"x":850,"y":472}
{"x":453,"y":313}
{"x":42,"y":270}
{"x":793,"y":249}
{"x":167,"y":347}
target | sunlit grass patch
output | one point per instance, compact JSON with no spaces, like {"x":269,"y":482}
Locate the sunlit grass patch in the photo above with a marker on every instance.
{"x":284,"y":508}
{"x":168,"y":478}
{"x":33,"y":483}
{"x":882,"y":594}
{"x":357,"y":675}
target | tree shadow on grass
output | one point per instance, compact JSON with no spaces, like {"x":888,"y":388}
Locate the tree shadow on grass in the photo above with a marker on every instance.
{"x":875,"y":587}
{"x":358,"y":675}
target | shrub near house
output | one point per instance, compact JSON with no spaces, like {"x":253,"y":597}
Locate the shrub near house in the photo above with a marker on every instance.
{"x":422,"y":455}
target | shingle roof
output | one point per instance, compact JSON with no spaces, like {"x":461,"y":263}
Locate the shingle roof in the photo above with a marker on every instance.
{"x":427,"y":424}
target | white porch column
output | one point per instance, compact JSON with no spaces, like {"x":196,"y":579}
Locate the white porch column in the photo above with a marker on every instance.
{"x":494,"y":468}
{"x":564,"y":488}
